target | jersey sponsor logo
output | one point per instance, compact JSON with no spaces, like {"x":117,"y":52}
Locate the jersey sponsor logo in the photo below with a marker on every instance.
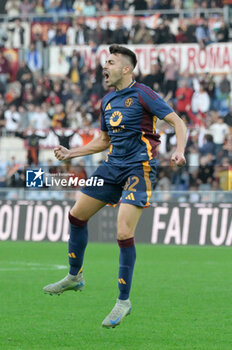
{"x":118,"y":129}
{"x":116,"y":118}
{"x":108,"y":107}
{"x":121,"y":281}
{"x":129,"y":102}
{"x":130,"y":197}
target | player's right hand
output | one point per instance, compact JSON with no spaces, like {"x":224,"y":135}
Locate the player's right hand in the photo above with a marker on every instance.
{"x":61,"y":153}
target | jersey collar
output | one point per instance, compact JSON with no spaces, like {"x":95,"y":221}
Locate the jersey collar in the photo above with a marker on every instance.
{"x":128,"y":87}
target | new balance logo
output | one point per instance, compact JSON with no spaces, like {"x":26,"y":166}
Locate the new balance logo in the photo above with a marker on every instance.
{"x":72,"y":255}
{"x":108,"y":107}
{"x":121,"y":281}
{"x":130,"y":197}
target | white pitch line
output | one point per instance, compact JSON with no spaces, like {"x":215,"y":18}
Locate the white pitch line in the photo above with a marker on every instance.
{"x":32,"y":267}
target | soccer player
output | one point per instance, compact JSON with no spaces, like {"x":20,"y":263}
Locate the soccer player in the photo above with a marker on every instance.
{"x":128,"y":127}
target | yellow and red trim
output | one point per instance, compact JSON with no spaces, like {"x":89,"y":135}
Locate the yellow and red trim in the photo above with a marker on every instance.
{"x":147,"y":170}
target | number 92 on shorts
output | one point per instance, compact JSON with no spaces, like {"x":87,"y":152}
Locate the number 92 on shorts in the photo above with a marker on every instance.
{"x":132,"y":183}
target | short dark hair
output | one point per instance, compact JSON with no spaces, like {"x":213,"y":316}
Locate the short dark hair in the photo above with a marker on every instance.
{"x":124,"y":51}
{"x":209,"y":138}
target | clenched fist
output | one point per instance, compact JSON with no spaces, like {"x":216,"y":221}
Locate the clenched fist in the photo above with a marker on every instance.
{"x":62,"y":153}
{"x":178,"y":159}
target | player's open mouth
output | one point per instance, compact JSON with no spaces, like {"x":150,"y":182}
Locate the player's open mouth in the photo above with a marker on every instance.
{"x":106,"y":75}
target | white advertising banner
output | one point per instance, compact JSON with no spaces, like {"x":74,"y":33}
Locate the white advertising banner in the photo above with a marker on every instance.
{"x":215,"y":58}
{"x":166,"y":223}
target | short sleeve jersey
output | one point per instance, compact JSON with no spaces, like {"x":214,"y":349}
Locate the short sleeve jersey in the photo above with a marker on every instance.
{"x":129,"y":116}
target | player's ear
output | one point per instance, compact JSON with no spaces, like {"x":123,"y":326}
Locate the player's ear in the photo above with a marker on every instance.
{"x":126,"y":69}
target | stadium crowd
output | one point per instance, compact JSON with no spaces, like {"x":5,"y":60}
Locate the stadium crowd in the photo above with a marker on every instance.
{"x":34,"y":104}
{"x":74,"y":28}
{"x":91,"y":7}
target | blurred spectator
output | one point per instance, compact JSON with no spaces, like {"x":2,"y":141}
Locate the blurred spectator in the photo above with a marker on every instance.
{"x":89,"y":9}
{"x":76,"y":93}
{"x":51,"y":34}
{"x":52,"y":6}
{"x":142,"y":35}
{"x":181,"y":36}
{"x":3,"y":35}
{"x":164,"y":183}
{"x":27,"y":95}
{"x":184,"y":96}
{"x":74,"y":71}
{"x":39,"y":7}
{"x":219,"y":131}
{"x":165,"y":4}
{"x":15,"y":174}
{"x":222,"y":96}
{"x":24,"y":74}
{"x":138,"y":5}
{"x":118,"y":5}
{"x":24,"y":120}
{"x":155,"y":79}
{"x":40,"y":120}
{"x":59,"y":118}
{"x":108,"y":34}
{"x":13,"y":94}
{"x":17,"y":31}
{"x":202,"y":33}
{"x":163,"y":34}
{"x":52,"y":99}
{"x":26,"y":7}
{"x":60,"y":37}
{"x":227,"y":148}
{"x":205,"y":174}
{"x":222,"y":35}
{"x":63,"y":137}
{"x":65,"y":93}
{"x":78,"y":6}
{"x":12,"y":8}
{"x":120,"y":34}
{"x":82,"y":34}
{"x":200,"y":100}
{"x":97,"y":36}
{"x":224,"y":174}
{"x":191,"y":31}
{"x":12,"y":118}
{"x":5,"y":70}
{"x":32,"y":138}
{"x":208,"y":147}
{"x":39,"y":95}
{"x":81,"y":118}
{"x":34,"y":61}
{"x":170,"y":78}
{"x":71,"y":33}
{"x":228,"y":117}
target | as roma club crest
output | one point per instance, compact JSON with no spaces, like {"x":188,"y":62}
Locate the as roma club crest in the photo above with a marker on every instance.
{"x":128,"y":102}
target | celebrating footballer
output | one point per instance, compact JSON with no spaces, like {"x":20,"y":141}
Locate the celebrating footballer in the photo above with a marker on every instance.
{"x":128,"y":128}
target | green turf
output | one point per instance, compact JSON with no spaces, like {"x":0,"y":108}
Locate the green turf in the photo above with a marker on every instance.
{"x":181,"y":298}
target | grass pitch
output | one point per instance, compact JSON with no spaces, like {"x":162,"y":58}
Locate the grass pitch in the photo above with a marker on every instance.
{"x":181,"y":299}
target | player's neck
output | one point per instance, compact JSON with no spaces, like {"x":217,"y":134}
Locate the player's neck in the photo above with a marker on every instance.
{"x":124,"y":83}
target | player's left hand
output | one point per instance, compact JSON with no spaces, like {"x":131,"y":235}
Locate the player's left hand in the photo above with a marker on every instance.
{"x":178,"y":159}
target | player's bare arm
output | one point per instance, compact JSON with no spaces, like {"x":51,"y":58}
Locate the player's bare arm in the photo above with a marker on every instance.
{"x":180,"y":129}
{"x":101,"y":143}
